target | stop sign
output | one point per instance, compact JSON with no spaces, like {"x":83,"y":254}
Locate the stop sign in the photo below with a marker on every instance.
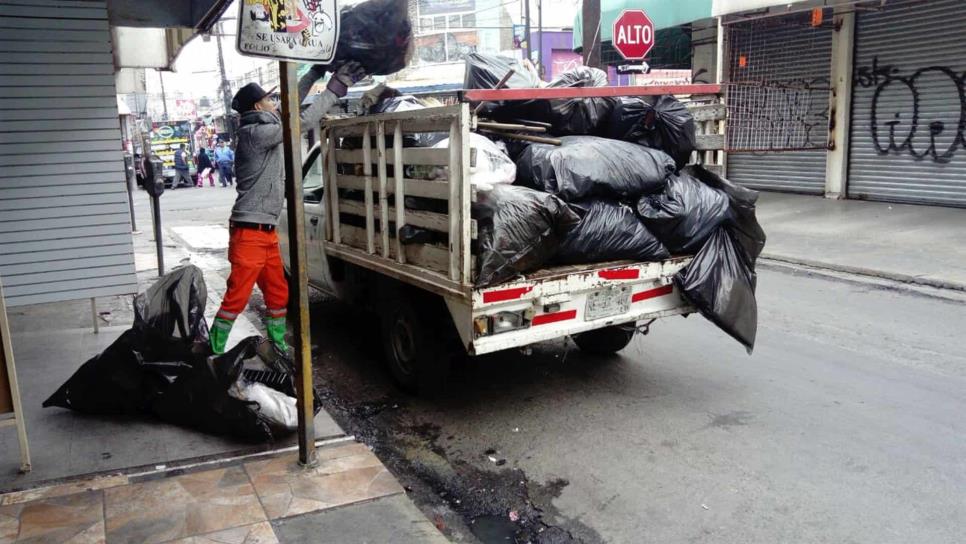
{"x":633,"y":34}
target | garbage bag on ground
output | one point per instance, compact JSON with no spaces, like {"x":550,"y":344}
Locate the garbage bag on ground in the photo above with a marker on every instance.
{"x":377,"y":34}
{"x":161,"y":367}
{"x":589,"y":166}
{"x":169,"y":329}
{"x":667,"y":125}
{"x":720,"y":281}
{"x":608,"y":231}
{"x":519,"y":230}
{"x":175,"y":306}
{"x":485,"y":72}
{"x":493,"y":166}
{"x":685,"y":213}
{"x":210,"y":397}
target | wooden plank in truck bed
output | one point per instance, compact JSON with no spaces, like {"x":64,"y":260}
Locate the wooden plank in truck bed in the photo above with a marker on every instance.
{"x":417,"y":218}
{"x":411,"y":155}
{"x":420,"y":277}
{"x":434,"y":257}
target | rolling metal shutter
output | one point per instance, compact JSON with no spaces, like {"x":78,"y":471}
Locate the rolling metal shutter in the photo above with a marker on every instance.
{"x":783,"y":51}
{"x":65,"y":230}
{"x":908,"y":104}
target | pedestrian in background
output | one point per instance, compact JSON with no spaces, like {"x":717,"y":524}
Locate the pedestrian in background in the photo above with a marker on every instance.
{"x":181,"y":168}
{"x":205,"y":168}
{"x":225,"y":160}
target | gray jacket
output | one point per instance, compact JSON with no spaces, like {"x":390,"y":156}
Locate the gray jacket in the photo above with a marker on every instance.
{"x":259,"y":163}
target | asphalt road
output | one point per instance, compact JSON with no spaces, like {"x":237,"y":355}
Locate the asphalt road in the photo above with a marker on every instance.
{"x":845,"y":425}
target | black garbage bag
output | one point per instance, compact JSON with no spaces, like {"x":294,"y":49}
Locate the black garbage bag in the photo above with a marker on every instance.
{"x":667,"y":125}
{"x":377,"y":34}
{"x":200,"y":399}
{"x":608,"y":231}
{"x":741,"y":221}
{"x":126,"y":377}
{"x":685,"y":213}
{"x":169,"y":331}
{"x":673,"y":130}
{"x":175,"y":306}
{"x":519,"y":230}
{"x":629,"y":119}
{"x":589,"y":166}
{"x":566,"y":116}
{"x":720,"y":282}
{"x":485,"y":72}
{"x":215,"y":396}
{"x":580,"y":115}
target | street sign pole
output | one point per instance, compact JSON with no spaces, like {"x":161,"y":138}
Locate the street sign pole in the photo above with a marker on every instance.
{"x":298,"y":286}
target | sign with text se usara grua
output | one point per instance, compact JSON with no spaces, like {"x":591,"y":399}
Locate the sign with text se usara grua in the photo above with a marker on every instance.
{"x":297,"y":30}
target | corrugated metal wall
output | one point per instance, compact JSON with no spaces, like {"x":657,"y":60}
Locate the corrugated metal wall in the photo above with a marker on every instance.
{"x":908,"y":104}
{"x":785,"y":50}
{"x":65,"y":230}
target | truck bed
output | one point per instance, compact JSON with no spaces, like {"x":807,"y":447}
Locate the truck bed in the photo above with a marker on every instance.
{"x":544,"y":304}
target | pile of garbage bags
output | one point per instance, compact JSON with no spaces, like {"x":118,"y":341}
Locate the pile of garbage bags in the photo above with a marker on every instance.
{"x":621,"y":169}
{"x":617,"y":187}
{"x":162,"y":366}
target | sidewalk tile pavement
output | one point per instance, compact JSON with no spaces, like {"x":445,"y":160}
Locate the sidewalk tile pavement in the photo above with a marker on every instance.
{"x":235,"y":504}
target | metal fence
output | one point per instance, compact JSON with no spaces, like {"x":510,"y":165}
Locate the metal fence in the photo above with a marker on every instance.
{"x":778,"y":85}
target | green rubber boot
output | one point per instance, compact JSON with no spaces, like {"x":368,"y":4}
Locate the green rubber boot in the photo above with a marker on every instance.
{"x":219,"y":334}
{"x":276,"y":331}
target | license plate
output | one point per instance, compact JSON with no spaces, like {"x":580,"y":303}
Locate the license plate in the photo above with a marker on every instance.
{"x":607,"y":302}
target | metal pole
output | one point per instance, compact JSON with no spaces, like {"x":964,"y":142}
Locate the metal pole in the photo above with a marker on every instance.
{"x":226,"y":88}
{"x":164,"y":97}
{"x":156,"y":215}
{"x":591,"y":30}
{"x":298,"y":288}
{"x":526,"y":32}
{"x":129,"y":168}
{"x":719,"y":52}
{"x":541,"y":70}
{"x":94,"y":315}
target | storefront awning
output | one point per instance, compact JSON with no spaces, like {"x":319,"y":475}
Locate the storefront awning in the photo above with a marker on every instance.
{"x":663,"y":13}
{"x":727,"y":7}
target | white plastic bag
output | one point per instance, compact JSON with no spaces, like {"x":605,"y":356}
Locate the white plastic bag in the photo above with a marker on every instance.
{"x":493,"y":166}
{"x":276,"y":407}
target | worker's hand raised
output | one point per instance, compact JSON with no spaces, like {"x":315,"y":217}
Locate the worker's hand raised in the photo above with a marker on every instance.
{"x":344,"y":77}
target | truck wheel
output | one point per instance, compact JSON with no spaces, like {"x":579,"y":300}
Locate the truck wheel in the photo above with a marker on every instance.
{"x":606,"y":341}
{"x":414,"y":350}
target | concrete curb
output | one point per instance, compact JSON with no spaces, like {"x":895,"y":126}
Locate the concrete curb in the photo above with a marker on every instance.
{"x":860,"y":271}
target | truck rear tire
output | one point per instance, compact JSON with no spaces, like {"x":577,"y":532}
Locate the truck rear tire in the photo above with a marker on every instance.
{"x":414,"y":346}
{"x":606,"y":341}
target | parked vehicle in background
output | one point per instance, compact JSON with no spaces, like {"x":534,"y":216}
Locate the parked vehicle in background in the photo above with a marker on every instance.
{"x":165,"y":138}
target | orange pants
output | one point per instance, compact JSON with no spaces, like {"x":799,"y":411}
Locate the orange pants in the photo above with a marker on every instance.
{"x":254,"y":258}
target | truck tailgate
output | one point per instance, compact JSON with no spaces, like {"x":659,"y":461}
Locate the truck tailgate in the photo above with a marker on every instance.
{"x":568,"y":300}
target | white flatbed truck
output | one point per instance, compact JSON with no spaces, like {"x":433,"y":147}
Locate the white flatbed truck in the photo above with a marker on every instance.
{"x":424,"y":293}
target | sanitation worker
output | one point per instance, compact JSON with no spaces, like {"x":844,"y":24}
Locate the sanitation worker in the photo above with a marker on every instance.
{"x":259,"y":174}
